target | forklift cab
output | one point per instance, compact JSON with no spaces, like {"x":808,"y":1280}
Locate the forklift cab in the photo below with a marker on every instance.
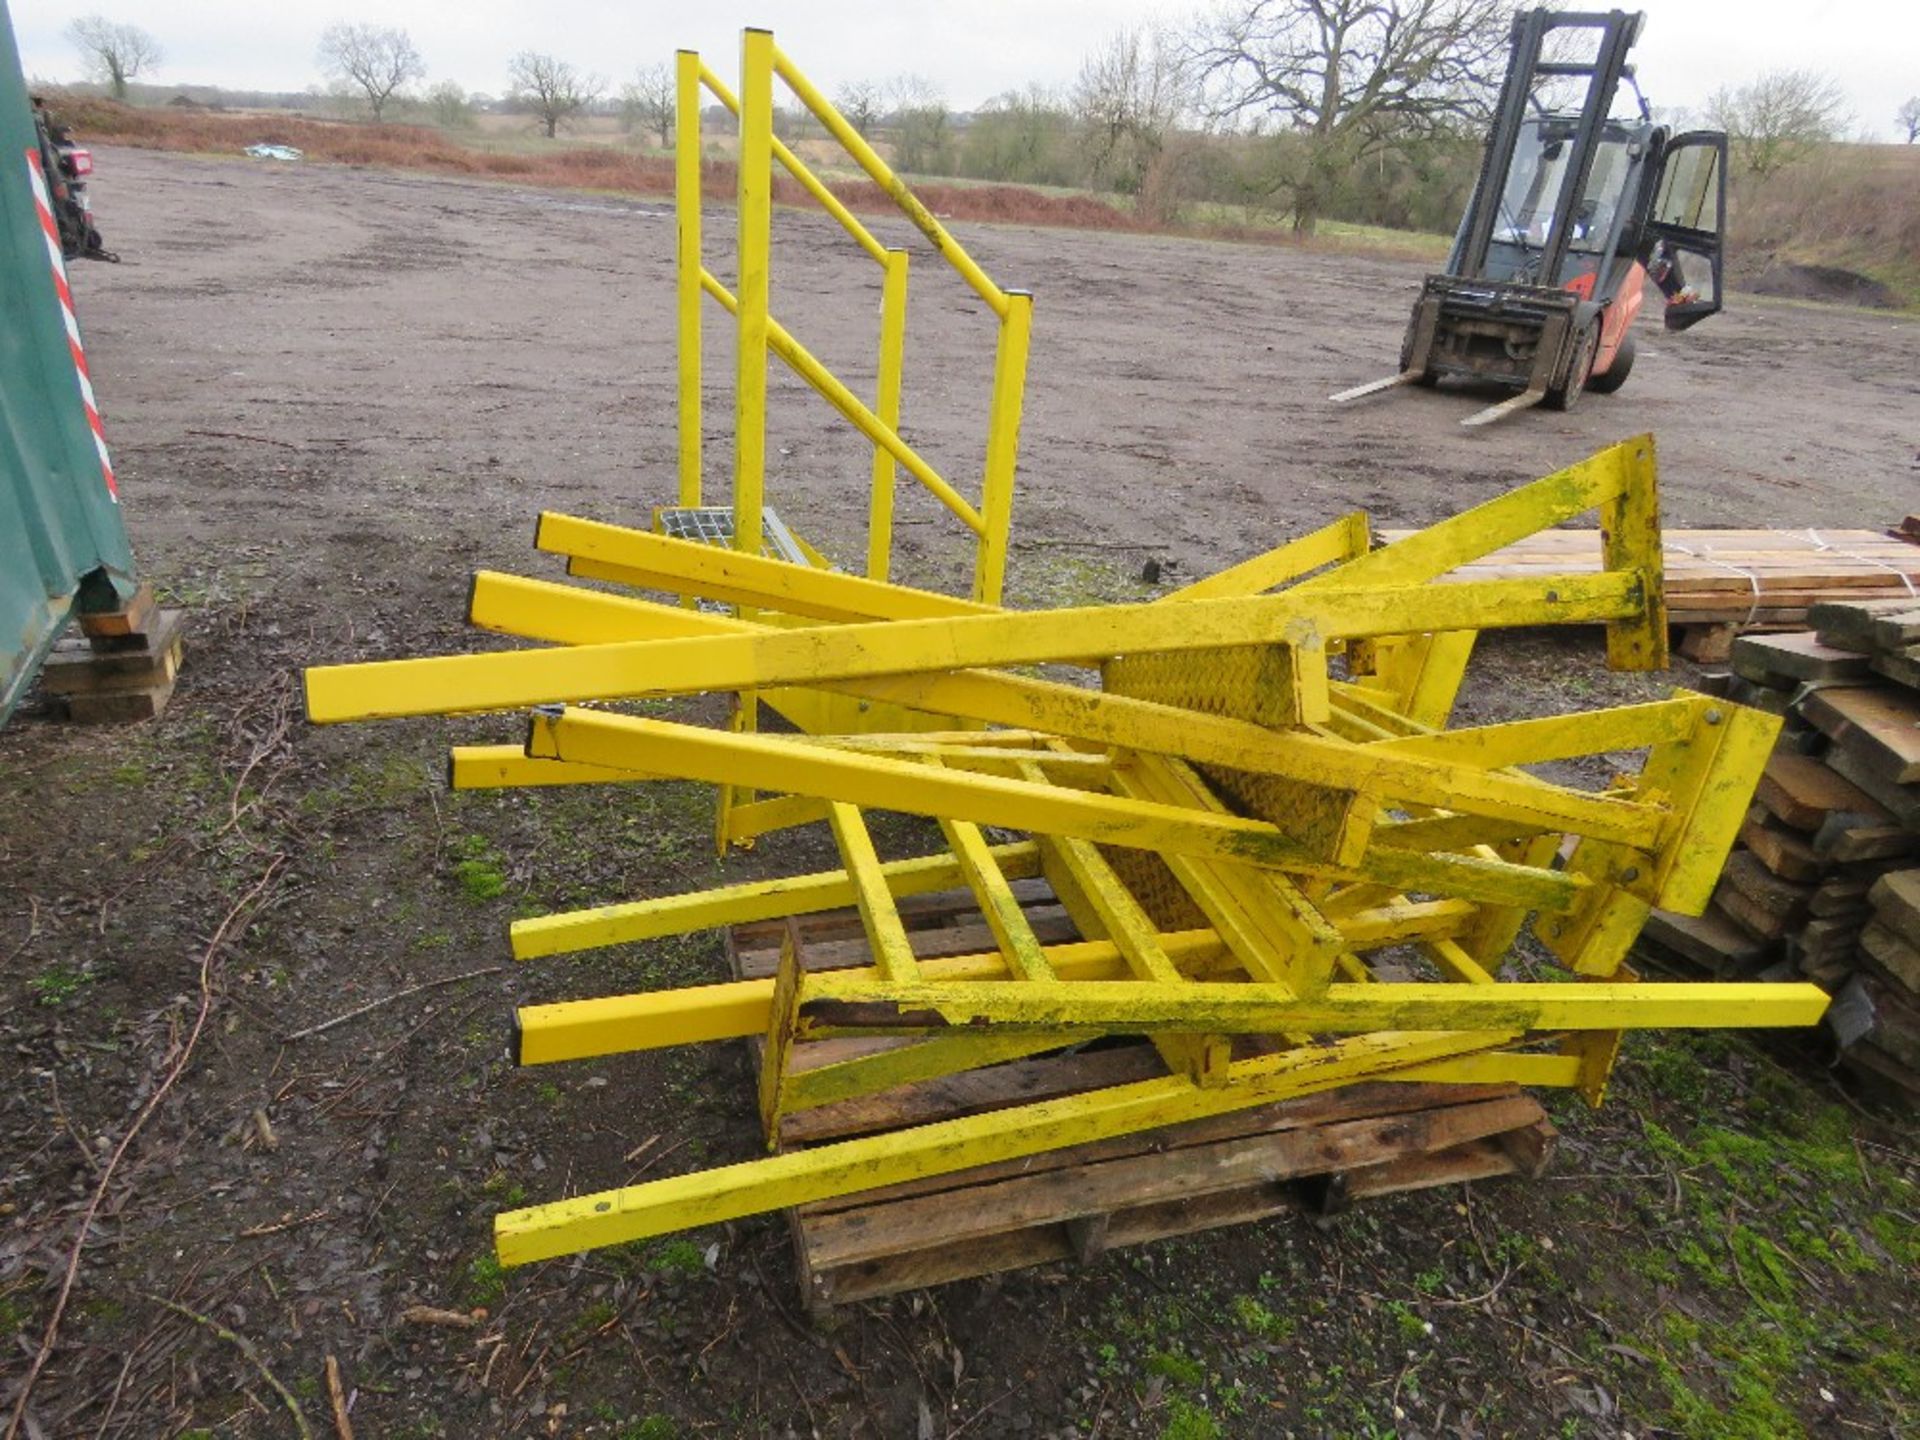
{"x":1649,"y":201}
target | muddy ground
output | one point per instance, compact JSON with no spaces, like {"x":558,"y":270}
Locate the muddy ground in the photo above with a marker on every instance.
{"x":332,"y":395}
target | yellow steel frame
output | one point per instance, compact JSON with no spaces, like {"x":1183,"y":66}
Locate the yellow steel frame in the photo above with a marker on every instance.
{"x":749,"y":303}
{"x":1257,"y":824}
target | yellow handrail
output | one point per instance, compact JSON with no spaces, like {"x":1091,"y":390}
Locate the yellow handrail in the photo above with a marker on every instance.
{"x":754,"y":210}
{"x":855,"y":144}
{"x":805,"y":365}
{"x":686,"y":216}
{"x":797,"y":168}
{"x":758,"y":333}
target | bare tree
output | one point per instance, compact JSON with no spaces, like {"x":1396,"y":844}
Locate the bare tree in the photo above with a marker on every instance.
{"x":1779,"y":119}
{"x":922,"y":127}
{"x":1907,"y":117}
{"x":114,"y":53}
{"x":649,"y":103}
{"x":859,"y":101}
{"x":1350,"y":78}
{"x":377,"y":60}
{"x":1131,"y":94}
{"x":552,"y":89}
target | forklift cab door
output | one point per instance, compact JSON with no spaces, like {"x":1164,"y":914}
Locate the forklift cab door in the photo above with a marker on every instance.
{"x":1684,"y":226}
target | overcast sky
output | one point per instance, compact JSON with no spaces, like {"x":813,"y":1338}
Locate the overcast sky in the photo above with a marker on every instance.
{"x":971,"y":51}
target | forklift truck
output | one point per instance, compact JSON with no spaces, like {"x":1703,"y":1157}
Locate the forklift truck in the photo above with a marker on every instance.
{"x":1573,"y":212}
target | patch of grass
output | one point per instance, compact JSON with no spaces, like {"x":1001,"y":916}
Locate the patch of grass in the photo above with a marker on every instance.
{"x":485,"y":1283}
{"x":503,"y":1187}
{"x":1258,"y":1320}
{"x":650,"y":1427}
{"x":58,"y":983}
{"x":478,"y":868}
{"x":1187,"y":1421}
{"x":1181,"y":1369}
{"x":1407,"y":1320}
{"x":679,"y":1256}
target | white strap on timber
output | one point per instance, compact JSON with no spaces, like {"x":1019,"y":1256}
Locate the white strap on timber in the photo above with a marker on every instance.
{"x":1894,"y":570}
{"x":1705,"y":552}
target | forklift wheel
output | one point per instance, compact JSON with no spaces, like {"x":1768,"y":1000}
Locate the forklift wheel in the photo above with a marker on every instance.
{"x":1565,"y":399}
{"x":1617,"y":373}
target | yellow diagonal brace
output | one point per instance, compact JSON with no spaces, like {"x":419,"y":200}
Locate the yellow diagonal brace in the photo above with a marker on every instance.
{"x":850,"y":1166}
{"x":779,"y":812}
{"x":886,"y":936}
{"x":802,"y":361}
{"x":496,"y":767}
{"x":1552,"y":737}
{"x":568,"y":615}
{"x":942,"y":1055}
{"x":1345,"y":539}
{"x":718,"y":573}
{"x":999,"y":906}
{"x":1266,"y":922}
{"x":738,"y":904}
{"x":833,"y":1004}
{"x":1479,"y":531}
{"x":624,"y":741}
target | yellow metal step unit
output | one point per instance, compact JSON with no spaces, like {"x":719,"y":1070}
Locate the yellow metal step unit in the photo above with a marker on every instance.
{"x":1283,"y":869}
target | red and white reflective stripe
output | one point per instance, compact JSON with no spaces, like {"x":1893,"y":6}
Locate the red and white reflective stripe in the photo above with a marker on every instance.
{"x":50,"y":232}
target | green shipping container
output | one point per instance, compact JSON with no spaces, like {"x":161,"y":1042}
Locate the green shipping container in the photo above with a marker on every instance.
{"x":63,"y":546}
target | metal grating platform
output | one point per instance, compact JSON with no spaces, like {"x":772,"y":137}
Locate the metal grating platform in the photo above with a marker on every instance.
{"x":713,"y":525}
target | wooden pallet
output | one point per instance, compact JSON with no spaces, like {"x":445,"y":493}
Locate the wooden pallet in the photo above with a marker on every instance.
{"x":1720,"y":583}
{"x":121,"y":667}
{"x":1322,"y":1151}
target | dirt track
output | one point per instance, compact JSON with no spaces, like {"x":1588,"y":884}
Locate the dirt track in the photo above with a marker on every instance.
{"x":332,"y":395}
{"x":461,"y":355}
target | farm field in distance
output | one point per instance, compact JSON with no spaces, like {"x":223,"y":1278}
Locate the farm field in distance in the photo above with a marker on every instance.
{"x":333,"y":393}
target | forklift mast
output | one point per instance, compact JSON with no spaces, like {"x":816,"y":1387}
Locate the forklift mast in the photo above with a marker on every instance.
{"x":1574,"y":210}
{"x":1531,"y":31}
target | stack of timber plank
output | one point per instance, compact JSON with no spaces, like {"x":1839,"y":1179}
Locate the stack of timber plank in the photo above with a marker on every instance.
{"x":121,"y":667}
{"x":1722,"y":583}
{"x":1318,"y":1153}
{"x":1825,"y":881}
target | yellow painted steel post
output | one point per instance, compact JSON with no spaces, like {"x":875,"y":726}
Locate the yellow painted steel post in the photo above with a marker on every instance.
{"x":886,"y":406}
{"x":1003,"y":446}
{"x":1630,"y":539}
{"x":755,"y":255}
{"x":686,"y":212}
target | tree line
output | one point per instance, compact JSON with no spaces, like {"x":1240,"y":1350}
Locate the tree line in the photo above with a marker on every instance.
{"x":1362,"y":110}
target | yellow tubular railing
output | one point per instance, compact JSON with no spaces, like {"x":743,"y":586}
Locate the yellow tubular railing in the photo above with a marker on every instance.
{"x":755,"y":211}
{"x":1003,"y":446}
{"x":893,"y":362}
{"x":752,"y":107}
{"x":797,"y":168}
{"x":686,"y":214}
{"x":850,"y":406}
{"x":855,"y":144}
